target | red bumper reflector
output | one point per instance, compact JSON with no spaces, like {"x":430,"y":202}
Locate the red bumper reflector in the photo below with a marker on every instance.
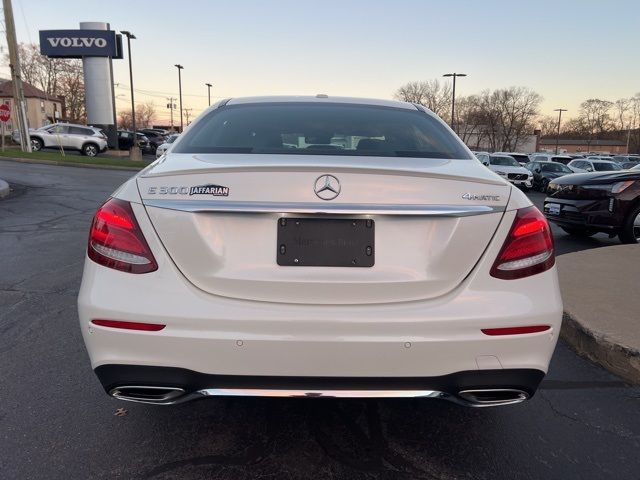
{"x":146,"y":327}
{"x":515,"y":330}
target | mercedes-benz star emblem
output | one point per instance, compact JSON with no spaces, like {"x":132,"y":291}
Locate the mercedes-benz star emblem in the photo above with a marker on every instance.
{"x":327,"y":187}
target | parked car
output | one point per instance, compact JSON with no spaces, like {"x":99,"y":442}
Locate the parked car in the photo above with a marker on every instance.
{"x":544,"y":172}
{"x":394,"y":266}
{"x":483,"y":157}
{"x":521,"y":158}
{"x":507,"y":167}
{"x":591,"y":164}
{"x":624,"y":158}
{"x":162,"y":149}
{"x":89,"y":141}
{"x":550,"y":157}
{"x":155,"y":138}
{"x":125,"y":141}
{"x":607,"y":158}
{"x":629,"y":165}
{"x":588,"y":203}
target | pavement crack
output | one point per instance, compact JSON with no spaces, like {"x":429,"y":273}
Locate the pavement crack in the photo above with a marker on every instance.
{"x":579,"y":420}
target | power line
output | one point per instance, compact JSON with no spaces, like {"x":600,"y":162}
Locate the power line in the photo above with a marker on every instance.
{"x":157,"y":93}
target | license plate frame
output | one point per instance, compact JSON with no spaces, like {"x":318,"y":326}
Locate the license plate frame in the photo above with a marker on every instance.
{"x":326,"y":242}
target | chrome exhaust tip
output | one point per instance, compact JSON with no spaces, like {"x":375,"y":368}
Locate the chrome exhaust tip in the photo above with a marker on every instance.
{"x":490,"y":397}
{"x":148,"y":394}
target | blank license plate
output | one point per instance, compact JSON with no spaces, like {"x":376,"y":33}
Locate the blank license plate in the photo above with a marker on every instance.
{"x":320,"y":242}
{"x":552,"y":208}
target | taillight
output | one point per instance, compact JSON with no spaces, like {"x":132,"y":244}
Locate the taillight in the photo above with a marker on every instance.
{"x":145,"y":327}
{"x":116,"y":241}
{"x":528,"y":248}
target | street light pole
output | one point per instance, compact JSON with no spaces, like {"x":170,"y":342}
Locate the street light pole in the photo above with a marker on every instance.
{"x":559,"y":110}
{"x":453,"y":96}
{"x":135,"y":153}
{"x":209,"y":92}
{"x":180,"y":67}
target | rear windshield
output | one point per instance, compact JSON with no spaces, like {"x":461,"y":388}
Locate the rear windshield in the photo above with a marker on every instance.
{"x":321,"y":129}
{"x":520,"y":158}
{"x":606,"y":167}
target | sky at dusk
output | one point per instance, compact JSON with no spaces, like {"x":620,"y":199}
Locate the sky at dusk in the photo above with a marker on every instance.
{"x":565,"y":50}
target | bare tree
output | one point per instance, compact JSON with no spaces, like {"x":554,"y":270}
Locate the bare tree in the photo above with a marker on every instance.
{"x":58,"y":77}
{"x":433,"y":94}
{"x":145,"y":113}
{"x":510,"y":115}
{"x":622,"y":108}
{"x":70,"y":87}
{"x":548,"y":125}
{"x":470,"y":120}
{"x":595,"y":113}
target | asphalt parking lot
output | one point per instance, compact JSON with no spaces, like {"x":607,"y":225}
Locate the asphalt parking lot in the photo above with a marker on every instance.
{"x":57,"y":422}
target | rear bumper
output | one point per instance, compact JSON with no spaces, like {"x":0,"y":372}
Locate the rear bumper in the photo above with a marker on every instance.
{"x":120,"y":381}
{"x":228,"y":337}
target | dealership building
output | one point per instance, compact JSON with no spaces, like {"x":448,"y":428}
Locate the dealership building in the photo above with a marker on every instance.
{"x":583,"y":145}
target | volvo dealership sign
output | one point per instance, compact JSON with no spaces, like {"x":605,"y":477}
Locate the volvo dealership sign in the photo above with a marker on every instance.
{"x":80,"y":43}
{"x":96,"y":44}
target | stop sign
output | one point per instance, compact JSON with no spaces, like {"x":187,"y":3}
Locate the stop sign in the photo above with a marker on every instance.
{"x":5,"y":112}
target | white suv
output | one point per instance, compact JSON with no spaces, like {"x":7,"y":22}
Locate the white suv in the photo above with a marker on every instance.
{"x":508,"y":167}
{"x":583,"y":165}
{"x":90,"y":141}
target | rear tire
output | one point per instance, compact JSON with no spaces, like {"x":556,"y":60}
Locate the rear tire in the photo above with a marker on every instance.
{"x":36,"y":144}
{"x":579,"y":231}
{"x":90,"y":149}
{"x":630,"y":232}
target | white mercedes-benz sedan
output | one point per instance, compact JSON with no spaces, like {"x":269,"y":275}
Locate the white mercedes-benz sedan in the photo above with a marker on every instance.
{"x":319,"y":246}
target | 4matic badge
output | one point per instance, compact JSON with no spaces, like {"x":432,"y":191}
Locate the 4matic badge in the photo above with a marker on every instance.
{"x":482,"y":198}
{"x":210,"y":189}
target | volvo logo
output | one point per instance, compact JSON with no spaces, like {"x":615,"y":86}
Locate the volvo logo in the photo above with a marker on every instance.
{"x":77,"y":42}
{"x":327,"y":187}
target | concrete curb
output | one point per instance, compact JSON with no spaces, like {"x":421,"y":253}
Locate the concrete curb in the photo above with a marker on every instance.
{"x":618,"y":359}
{"x":602,"y":308}
{"x":4,"y":189}
{"x":70,"y":164}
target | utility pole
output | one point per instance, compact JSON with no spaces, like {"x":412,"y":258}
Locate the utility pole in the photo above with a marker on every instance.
{"x":453,"y":97}
{"x":134,"y":153}
{"x":16,"y":77}
{"x":209,"y":92}
{"x":187,"y":112}
{"x":171,"y":106}
{"x":559,"y":110}
{"x":180,"y":67}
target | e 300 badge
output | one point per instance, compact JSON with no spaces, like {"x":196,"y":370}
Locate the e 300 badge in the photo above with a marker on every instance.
{"x":213,"y":190}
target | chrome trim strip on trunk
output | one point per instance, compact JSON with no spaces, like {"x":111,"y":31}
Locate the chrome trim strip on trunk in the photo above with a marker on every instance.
{"x":330,"y":208}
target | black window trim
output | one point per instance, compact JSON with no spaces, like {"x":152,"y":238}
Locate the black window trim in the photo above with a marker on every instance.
{"x":224,"y":106}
